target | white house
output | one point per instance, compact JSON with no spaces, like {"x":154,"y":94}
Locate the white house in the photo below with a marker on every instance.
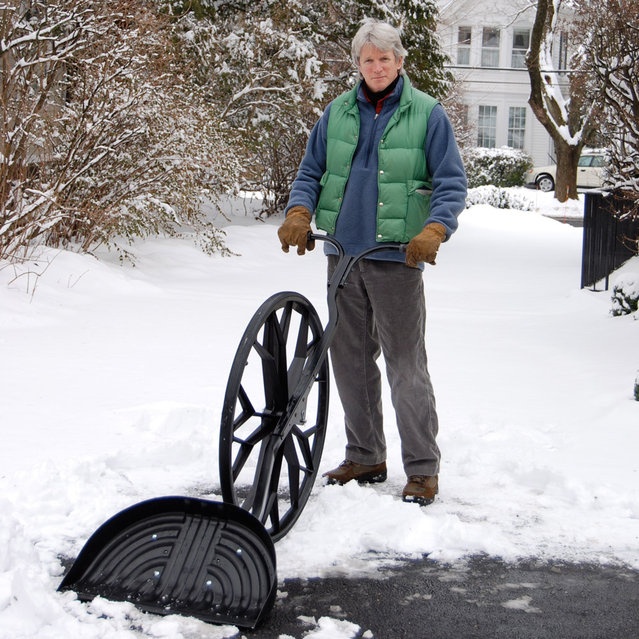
{"x":487,"y":41}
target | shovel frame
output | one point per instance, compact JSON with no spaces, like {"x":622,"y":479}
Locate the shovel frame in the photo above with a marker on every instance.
{"x":273,"y":423}
{"x":216,"y":560}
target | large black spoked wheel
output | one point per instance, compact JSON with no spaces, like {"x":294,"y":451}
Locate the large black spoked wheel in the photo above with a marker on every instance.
{"x":274,"y":413}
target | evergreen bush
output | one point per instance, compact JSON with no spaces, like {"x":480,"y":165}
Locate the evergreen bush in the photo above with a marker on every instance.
{"x":500,"y":198}
{"x":625,"y":297}
{"x":503,"y":167}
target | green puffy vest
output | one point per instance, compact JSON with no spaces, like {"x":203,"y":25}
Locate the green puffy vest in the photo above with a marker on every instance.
{"x":404,"y":184}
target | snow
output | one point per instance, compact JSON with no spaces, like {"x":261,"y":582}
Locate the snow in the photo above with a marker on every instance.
{"x":113,"y":377}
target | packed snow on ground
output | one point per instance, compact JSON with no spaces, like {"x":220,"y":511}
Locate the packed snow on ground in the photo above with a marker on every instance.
{"x":113,"y":377}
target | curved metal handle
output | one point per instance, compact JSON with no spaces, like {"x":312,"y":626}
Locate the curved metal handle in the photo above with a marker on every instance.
{"x":340,"y":275}
{"x":397,"y":246}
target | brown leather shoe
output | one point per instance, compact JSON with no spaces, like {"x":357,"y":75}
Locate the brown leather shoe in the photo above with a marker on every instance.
{"x":420,"y":489}
{"x":348,"y":470}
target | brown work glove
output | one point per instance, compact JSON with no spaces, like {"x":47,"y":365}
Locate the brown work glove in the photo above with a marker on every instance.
{"x":423,"y":247}
{"x":295,"y":229}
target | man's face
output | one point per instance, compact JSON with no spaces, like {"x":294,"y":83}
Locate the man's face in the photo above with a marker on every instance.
{"x":378,"y":68}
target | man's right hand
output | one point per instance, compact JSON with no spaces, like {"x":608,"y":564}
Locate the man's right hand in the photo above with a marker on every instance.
{"x":295,"y":229}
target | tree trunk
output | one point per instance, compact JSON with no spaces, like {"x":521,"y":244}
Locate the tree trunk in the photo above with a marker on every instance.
{"x":566,"y":175}
{"x":558,"y":115}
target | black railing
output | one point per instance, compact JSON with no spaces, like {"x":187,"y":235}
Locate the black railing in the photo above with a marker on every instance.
{"x":611,"y":236}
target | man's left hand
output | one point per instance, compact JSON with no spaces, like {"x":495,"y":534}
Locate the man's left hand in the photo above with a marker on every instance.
{"x":424,"y":247}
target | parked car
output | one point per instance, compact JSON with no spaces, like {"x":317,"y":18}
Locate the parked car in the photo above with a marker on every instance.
{"x":589,"y":172}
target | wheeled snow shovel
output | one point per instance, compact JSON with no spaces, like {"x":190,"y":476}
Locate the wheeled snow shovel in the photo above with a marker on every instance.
{"x":212,"y":560}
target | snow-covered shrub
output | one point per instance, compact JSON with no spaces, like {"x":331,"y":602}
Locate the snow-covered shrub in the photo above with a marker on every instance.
{"x":106,"y":137}
{"x":498,"y":197}
{"x":270,"y":68}
{"x":625,"y":296}
{"x":637,"y":388}
{"x":498,"y":167}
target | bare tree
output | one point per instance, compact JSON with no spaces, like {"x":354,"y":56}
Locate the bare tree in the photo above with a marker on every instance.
{"x":35,"y":44}
{"x":104,"y":136}
{"x":613,"y":58}
{"x":566,"y":102}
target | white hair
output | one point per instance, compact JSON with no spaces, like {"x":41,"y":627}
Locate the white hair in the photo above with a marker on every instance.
{"x":381,"y":35}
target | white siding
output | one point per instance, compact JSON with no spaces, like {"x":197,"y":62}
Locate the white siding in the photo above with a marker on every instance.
{"x":502,"y":86}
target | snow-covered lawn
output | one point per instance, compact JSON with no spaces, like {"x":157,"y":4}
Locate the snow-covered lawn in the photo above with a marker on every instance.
{"x":113,"y":376}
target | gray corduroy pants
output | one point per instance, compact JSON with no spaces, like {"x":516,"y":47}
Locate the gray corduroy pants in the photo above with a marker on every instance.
{"x":382,"y":311}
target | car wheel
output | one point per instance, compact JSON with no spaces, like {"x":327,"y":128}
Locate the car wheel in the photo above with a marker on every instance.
{"x":545,"y":183}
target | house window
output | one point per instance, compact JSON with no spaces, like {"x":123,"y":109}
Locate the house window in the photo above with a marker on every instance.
{"x":487,"y":126}
{"x":516,"y":127}
{"x":463,"y":45}
{"x":521,"y":43}
{"x":563,"y":51}
{"x":490,"y":47}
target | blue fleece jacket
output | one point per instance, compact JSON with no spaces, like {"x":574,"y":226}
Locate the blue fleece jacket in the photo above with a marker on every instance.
{"x":356,"y":224}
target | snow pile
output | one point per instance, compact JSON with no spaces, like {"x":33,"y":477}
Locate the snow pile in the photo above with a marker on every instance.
{"x":113,"y":378}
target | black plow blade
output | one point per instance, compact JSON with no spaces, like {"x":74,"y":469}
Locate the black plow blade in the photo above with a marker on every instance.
{"x":181,"y":555}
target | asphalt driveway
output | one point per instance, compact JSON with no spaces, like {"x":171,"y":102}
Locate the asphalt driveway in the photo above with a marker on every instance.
{"x":483,"y":598}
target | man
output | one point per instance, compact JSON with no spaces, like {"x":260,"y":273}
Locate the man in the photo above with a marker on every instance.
{"x":381,"y":165}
